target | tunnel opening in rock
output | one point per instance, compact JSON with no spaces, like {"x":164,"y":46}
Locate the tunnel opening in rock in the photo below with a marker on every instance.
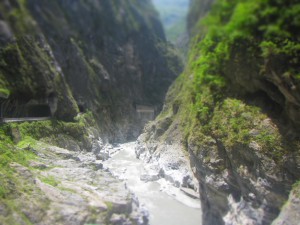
{"x":11,"y":108}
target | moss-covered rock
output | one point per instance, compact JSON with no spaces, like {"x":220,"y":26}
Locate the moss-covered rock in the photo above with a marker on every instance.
{"x":48,"y":56}
{"x":28,"y":68}
{"x":234,"y":110}
{"x":106,"y":65}
{"x":290,"y":211}
{"x":61,"y":185}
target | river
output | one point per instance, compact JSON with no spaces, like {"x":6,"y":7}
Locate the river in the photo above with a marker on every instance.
{"x":166,"y":204}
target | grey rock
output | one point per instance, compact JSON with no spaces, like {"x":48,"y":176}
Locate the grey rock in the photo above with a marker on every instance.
{"x":166,"y":160}
{"x":71,"y":191}
{"x":3,"y":210}
{"x":96,"y":147}
{"x":22,"y":171}
{"x":5,"y":32}
{"x":16,"y":134}
{"x":97,"y":165}
{"x":102,"y":156}
{"x":148,"y":177}
{"x":117,"y":219}
{"x":37,"y":165}
{"x":104,"y":63}
{"x":290,"y":213}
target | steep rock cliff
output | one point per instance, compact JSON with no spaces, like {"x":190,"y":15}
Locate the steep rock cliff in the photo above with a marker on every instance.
{"x":100,"y":69}
{"x":107,"y":57}
{"x":234,"y":109}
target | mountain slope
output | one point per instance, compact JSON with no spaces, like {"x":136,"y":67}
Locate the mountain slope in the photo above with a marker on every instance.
{"x":234,"y":109}
{"x":173,"y":16}
{"x":105,"y":57}
{"x":100,"y":71}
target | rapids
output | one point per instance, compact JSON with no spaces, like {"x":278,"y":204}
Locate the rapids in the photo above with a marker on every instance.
{"x":166,"y":204}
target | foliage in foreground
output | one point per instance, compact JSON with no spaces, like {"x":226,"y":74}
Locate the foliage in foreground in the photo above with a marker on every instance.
{"x":17,"y":140}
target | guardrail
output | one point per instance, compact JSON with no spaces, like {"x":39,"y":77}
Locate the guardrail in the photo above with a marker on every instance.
{"x":24,"y":119}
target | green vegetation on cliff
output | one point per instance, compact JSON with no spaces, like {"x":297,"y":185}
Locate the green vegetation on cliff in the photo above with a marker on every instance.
{"x":266,"y":29}
{"x":97,"y":63}
{"x":28,"y":69}
{"x":18,"y":157}
{"x":236,"y":106}
{"x":264,"y":32}
{"x":9,"y":153}
{"x":18,"y":139}
{"x":30,"y":159}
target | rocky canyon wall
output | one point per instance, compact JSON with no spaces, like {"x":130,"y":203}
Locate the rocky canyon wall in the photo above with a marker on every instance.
{"x":98,"y":70}
{"x":234,"y":110}
{"x":108,"y":57}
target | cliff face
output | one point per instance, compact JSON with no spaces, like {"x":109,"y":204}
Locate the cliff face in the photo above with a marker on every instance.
{"x":28,"y":68}
{"x":236,"y":111}
{"x":198,"y":9}
{"x":173,"y":16}
{"x":107,"y":57}
{"x":101,"y":68}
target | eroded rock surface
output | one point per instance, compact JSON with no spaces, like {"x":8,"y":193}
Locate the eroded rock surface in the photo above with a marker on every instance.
{"x":72,"y":56}
{"x":69,"y":187}
{"x":166,"y":159}
{"x":290,"y":213}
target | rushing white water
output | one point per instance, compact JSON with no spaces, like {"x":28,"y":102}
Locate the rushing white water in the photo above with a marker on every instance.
{"x":166,"y":204}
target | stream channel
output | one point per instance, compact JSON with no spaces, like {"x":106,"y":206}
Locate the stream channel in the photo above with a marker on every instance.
{"x":166,"y":204}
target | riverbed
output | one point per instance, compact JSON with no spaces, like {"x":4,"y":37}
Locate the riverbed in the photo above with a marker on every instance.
{"x":166,"y":204}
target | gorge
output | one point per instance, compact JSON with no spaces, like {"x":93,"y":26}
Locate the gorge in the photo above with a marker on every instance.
{"x":222,"y":129}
